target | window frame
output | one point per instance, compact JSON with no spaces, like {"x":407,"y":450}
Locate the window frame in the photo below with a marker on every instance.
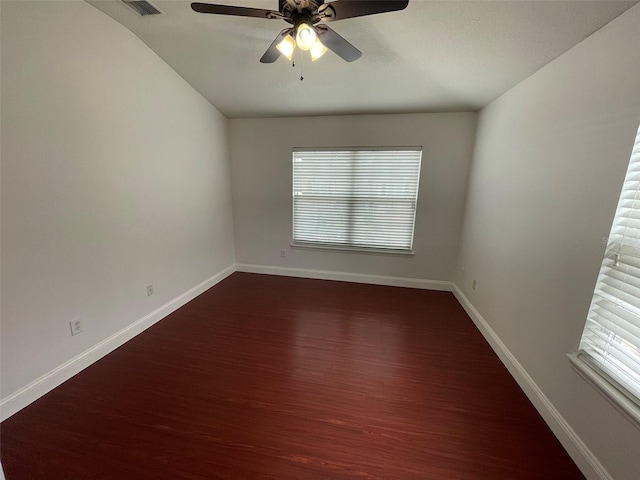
{"x":298,"y":244}
{"x":583,"y":362}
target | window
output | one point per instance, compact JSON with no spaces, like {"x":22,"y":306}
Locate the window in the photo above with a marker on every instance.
{"x":611,"y":339}
{"x":356,"y":199}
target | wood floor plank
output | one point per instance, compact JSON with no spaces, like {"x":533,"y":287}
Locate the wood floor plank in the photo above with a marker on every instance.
{"x":272,"y":377}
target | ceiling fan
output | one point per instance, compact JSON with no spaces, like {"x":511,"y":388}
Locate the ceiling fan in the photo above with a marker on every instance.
{"x":307,"y":17}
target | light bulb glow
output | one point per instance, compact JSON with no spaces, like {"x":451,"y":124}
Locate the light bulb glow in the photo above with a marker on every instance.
{"x":317,"y":50}
{"x":287,"y":46}
{"x":306,"y":37}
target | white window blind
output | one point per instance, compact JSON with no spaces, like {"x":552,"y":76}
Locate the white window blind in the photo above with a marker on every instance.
{"x":355,"y":198}
{"x":611,"y":338}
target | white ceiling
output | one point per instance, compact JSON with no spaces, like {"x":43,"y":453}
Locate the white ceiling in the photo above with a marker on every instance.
{"x":434,"y":56}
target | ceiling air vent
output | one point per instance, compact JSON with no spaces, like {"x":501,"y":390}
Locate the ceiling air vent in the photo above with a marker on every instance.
{"x":142,"y":7}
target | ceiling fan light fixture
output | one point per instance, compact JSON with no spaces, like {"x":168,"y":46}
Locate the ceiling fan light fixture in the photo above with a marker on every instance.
{"x":306,"y":36}
{"x":317,"y":50}
{"x":287,"y":46}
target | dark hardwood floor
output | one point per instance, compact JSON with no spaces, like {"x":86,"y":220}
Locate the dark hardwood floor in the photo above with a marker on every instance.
{"x":284,"y":378}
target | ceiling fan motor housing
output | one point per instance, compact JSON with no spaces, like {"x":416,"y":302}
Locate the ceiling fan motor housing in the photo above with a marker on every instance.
{"x":299,"y":5}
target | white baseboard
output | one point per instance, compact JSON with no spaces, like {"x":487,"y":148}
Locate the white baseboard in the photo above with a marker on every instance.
{"x":36,"y":389}
{"x":442,"y":286}
{"x":579,"y":452}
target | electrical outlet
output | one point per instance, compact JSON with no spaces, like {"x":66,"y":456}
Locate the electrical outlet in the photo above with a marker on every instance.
{"x":474,"y":283}
{"x":149,"y":290}
{"x":76,"y":326}
{"x":282,"y":253}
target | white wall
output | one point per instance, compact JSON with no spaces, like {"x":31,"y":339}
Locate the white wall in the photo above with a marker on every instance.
{"x":115,"y":175}
{"x":1,"y":469}
{"x":549,"y":162}
{"x":262,"y":175}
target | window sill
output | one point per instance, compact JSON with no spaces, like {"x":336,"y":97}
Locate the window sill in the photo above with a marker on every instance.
{"x":615,"y":397}
{"x":370,"y":251}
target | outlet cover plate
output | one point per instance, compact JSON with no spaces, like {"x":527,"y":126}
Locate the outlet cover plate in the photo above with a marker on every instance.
{"x":76,"y":326}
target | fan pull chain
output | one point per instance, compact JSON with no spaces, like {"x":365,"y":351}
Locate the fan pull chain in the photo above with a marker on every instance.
{"x":301,"y":66}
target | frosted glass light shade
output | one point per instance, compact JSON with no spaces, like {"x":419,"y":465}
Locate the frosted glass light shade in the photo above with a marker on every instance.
{"x":317,"y":50}
{"x":287,"y":46}
{"x":306,"y":37}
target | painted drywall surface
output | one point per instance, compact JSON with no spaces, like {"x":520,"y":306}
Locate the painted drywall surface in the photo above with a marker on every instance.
{"x":1,"y":469}
{"x":549,"y":161}
{"x":262,"y":176}
{"x":115,"y":175}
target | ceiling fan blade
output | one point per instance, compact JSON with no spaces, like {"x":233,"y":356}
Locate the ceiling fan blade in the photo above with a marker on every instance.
{"x":231,"y":10}
{"x":337,"y":44}
{"x":341,"y":9}
{"x":272,"y":53}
